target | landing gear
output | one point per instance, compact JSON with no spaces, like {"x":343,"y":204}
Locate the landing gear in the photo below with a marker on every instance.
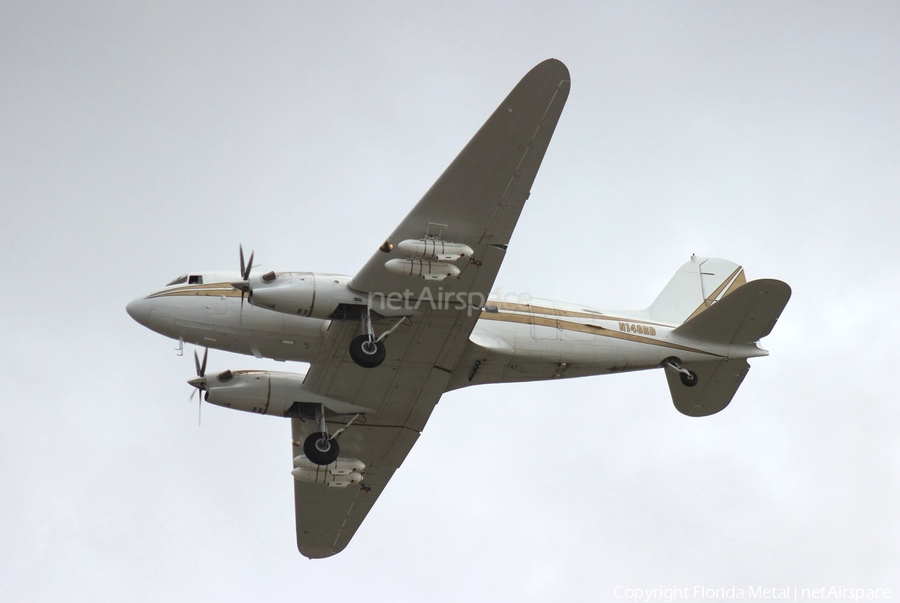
{"x":321,"y":449}
{"x":688,"y":378}
{"x":369,"y":351}
{"x":366,"y":352}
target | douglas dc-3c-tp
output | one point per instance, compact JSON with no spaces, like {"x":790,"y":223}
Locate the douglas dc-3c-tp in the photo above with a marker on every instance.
{"x":417,"y":321}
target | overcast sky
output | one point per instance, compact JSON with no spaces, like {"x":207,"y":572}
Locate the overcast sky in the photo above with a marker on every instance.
{"x":142,"y":140}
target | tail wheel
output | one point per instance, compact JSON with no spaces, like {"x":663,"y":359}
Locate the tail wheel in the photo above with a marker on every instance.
{"x":321,"y":449}
{"x":689,"y":379}
{"x":367,"y":353}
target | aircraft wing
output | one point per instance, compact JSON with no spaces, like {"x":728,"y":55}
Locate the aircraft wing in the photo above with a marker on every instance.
{"x":477,"y":202}
{"x":479,"y":197}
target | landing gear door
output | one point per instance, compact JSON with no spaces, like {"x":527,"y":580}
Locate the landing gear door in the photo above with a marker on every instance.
{"x":544,"y":320}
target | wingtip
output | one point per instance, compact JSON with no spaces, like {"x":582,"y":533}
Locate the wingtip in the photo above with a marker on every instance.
{"x":317,"y":553}
{"x":554,"y":65}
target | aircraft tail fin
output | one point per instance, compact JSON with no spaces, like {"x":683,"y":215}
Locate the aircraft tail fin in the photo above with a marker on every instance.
{"x":745,"y":316}
{"x":697,"y":285}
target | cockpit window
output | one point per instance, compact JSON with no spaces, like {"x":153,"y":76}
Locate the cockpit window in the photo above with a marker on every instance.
{"x":195,"y":279}
{"x":178,"y":281}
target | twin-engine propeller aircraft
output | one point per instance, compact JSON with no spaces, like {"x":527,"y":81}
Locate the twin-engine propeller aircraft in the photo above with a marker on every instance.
{"x":417,"y":321}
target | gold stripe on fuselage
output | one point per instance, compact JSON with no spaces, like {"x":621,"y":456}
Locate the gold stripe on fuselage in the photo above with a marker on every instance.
{"x":527,"y":314}
{"x":529,"y":309}
{"x":565,"y":325}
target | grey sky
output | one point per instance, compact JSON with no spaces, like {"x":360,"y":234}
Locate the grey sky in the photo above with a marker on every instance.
{"x":138,"y":141}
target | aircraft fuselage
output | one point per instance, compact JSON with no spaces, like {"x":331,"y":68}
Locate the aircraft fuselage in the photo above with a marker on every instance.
{"x":524,"y":339}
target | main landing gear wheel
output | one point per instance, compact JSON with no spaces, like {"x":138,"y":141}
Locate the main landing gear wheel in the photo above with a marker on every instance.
{"x":367,"y":353}
{"x":689,"y":379}
{"x":321,"y":449}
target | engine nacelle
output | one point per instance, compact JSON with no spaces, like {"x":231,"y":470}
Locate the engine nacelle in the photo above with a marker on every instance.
{"x":269,"y":393}
{"x":261,"y":392}
{"x":303,"y":293}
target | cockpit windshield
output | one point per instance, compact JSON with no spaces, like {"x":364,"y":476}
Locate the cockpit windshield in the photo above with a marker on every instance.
{"x":178,"y":281}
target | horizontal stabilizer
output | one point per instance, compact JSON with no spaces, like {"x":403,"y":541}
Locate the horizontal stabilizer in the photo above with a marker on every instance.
{"x":745,"y":315}
{"x":716,"y":385}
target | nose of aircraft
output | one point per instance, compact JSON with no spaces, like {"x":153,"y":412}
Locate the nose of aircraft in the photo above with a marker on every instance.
{"x":139,"y":310}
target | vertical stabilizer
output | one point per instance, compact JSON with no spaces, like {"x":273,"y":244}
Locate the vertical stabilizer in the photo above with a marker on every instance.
{"x":696,"y":286}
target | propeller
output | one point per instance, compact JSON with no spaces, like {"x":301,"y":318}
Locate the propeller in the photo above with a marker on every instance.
{"x":245,"y":270}
{"x":244,"y":283}
{"x":200,"y":381}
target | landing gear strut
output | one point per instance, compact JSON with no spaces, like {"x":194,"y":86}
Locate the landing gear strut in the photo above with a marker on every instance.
{"x":688,"y":378}
{"x":366,"y":350}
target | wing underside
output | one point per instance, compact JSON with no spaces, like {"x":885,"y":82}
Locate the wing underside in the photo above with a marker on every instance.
{"x":477,"y":202}
{"x":327,"y":518}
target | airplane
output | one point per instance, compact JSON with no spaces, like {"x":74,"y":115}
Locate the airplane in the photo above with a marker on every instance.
{"x":418,"y":320}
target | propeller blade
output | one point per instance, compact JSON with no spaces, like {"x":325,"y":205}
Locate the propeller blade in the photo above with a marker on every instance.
{"x":249,"y":266}
{"x":243,"y":269}
{"x":199,"y":383}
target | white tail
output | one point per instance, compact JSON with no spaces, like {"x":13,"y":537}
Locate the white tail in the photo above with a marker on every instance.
{"x":697,"y":285}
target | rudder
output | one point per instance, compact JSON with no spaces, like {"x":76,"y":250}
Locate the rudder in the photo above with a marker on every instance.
{"x":697,"y":285}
